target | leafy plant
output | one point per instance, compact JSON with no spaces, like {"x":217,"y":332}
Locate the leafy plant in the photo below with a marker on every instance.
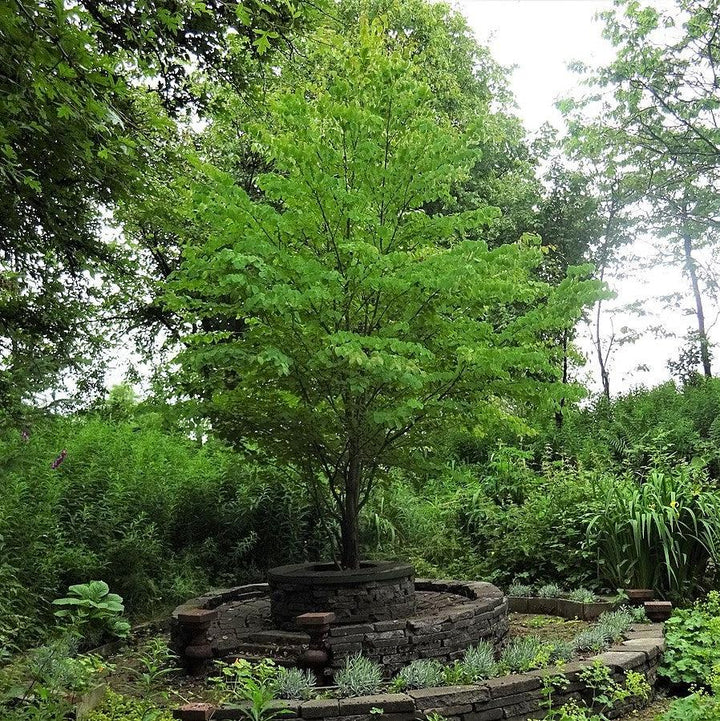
{"x":359,"y":676}
{"x":421,"y":673}
{"x":93,"y":612}
{"x":528,"y":652}
{"x":583,"y":595}
{"x":550,"y":590}
{"x":592,"y":639}
{"x":117,"y":707}
{"x":294,"y":683}
{"x":692,"y":642}
{"x":659,"y":532}
{"x":614,"y":624}
{"x":519,"y":589}
{"x":155,"y":660}
{"x":478,"y":662}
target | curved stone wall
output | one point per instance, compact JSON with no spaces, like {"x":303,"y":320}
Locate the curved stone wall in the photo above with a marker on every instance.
{"x":377,"y":591}
{"x":449,"y":617}
{"x":518,"y":697}
{"x":476,"y":611}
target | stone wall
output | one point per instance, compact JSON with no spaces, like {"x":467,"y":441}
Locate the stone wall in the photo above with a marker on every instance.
{"x":450,"y":616}
{"x":443,"y":635}
{"x":377,"y":591}
{"x":511,"y":698}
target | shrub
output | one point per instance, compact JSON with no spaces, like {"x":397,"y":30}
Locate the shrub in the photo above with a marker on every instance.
{"x":359,"y":676}
{"x":592,"y":639}
{"x":549,"y":590}
{"x":658,"y":532}
{"x":524,"y":653}
{"x":423,"y":673}
{"x":519,"y":589}
{"x":122,"y":708}
{"x":583,"y":595}
{"x":692,"y":642}
{"x":614,"y":624}
{"x":478,"y":662}
{"x":93,"y":612}
{"x":294,"y":683}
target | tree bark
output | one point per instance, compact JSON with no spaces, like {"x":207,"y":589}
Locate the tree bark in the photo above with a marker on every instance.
{"x":350,"y":523}
{"x":691,"y":267}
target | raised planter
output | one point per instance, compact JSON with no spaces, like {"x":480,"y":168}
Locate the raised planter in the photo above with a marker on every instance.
{"x":377,"y":591}
{"x":563,"y":607}
{"x":450,"y":616}
{"x":515,"y":697}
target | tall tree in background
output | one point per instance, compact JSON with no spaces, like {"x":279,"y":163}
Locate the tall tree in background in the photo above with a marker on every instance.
{"x":654,"y":112}
{"x":367,"y":324}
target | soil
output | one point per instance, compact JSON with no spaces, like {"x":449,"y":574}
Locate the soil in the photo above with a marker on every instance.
{"x":546,"y":628}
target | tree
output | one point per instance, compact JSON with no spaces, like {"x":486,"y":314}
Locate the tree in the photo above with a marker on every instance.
{"x":80,"y":125}
{"x":344,"y":325}
{"x":655,"y":112}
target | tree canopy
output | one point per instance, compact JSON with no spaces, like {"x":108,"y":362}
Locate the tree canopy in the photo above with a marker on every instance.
{"x":356,"y":323}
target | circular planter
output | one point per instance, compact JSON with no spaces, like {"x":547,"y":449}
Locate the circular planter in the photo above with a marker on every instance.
{"x":377,"y":591}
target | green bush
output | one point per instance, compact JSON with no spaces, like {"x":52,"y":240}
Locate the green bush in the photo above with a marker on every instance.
{"x":692,"y":642}
{"x":660,"y":532}
{"x":359,"y":676}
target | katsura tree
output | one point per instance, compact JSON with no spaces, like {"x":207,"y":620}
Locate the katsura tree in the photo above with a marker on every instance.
{"x":337,"y":324}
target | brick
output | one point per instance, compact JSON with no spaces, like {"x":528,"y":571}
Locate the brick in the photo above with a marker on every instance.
{"x":389,"y":703}
{"x":509,"y":685}
{"x":194,"y":712}
{"x":320,"y":708}
{"x":448,"y":696}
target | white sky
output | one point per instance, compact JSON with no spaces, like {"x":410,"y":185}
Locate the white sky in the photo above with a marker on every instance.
{"x":539,"y":38}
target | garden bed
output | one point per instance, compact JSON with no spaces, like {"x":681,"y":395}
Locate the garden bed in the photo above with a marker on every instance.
{"x":515,"y":697}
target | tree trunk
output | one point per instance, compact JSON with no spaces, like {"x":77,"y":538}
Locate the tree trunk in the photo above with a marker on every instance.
{"x":604,"y":375}
{"x":350,"y":524}
{"x":691,"y":267}
{"x":559,"y":417}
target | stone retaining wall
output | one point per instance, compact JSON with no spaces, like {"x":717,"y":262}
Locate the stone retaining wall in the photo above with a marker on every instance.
{"x":443,"y":635}
{"x":377,"y":591}
{"x":510,"y":698}
{"x":452,"y":616}
{"x":563,"y":607}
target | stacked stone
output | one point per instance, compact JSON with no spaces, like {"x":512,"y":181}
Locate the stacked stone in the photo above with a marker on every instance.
{"x":380,"y":593}
{"x":443,"y":634}
{"x":511,"y":698}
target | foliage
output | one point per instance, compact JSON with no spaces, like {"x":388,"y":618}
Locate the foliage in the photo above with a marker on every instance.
{"x":155,"y":661}
{"x":659,"y":533}
{"x":583,"y":595}
{"x":516,"y":588}
{"x":614,"y":624}
{"x":592,"y":639}
{"x":550,"y":590}
{"x":359,"y":676}
{"x":352,"y":323}
{"x":93,"y":612}
{"x":294,"y":683}
{"x":123,"y":708}
{"x":698,"y":706}
{"x":692,"y":642}
{"x":421,"y":673}
{"x":43,"y":682}
{"x":119,"y":506}
{"x":528,"y":652}
{"x":605,"y":695}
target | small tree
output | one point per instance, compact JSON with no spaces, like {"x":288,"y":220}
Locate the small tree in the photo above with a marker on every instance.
{"x":354,"y":323}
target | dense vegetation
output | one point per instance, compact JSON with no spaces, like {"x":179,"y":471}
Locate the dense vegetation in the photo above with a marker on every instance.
{"x":323,"y":233}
